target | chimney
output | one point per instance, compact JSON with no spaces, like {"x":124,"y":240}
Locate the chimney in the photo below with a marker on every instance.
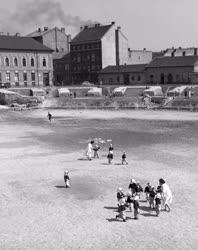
{"x":144,"y":49}
{"x":39,"y":29}
{"x":118,"y":28}
{"x":86,"y":27}
{"x":62,"y":29}
{"x":45,"y":28}
{"x":112,"y":23}
{"x":17,"y":34}
{"x":195,"y":51}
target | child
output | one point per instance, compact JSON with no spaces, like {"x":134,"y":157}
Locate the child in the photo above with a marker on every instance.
{"x":124,"y":159}
{"x":139,"y":188}
{"x":121,"y":210}
{"x":152,"y":197}
{"x":120,"y":195}
{"x":147,"y":191}
{"x":129,"y":200}
{"x":136,"y":206}
{"x":67,"y":179}
{"x":158,"y":199}
{"x":49,"y":116}
{"x":95,"y":149}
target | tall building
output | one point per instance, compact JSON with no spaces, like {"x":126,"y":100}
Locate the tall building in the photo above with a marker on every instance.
{"x":94,"y":48}
{"x":24,"y":62}
{"x":139,"y":56}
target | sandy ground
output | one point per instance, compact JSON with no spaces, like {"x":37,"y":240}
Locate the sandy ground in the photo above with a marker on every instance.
{"x":37,"y":212}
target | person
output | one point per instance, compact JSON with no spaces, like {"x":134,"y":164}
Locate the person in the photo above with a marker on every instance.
{"x":110,"y":154}
{"x":166,"y":194}
{"x":136,"y":206}
{"x":124,"y":158}
{"x":147,"y":190}
{"x":133,"y":186}
{"x":152,"y":197}
{"x":49,"y":116}
{"x":158,"y":199}
{"x":139,"y":188}
{"x":95,"y":149}
{"x":67,"y":179}
{"x":89,"y":150}
{"x":129,"y":200}
{"x":120,"y":194}
{"x":121,"y":210}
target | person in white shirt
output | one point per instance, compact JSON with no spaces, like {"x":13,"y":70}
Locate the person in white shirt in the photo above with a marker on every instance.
{"x":166,"y":194}
{"x":89,"y":150}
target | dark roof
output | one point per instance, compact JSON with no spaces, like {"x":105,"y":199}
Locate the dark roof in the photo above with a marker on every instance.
{"x":177,"y":61}
{"x":132,"y":68}
{"x":91,"y":34}
{"x":21,"y":43}
{"x":157,"y":54}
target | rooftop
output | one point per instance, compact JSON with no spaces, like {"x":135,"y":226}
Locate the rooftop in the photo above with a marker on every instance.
{"x":91,"y":33}
{"x":179,"y":61}
{"x":22,"y":44}
{"x":41,"y":32}
{"x":124,"y":68}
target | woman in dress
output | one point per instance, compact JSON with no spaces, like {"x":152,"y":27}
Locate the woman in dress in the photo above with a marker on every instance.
{"x":89,"y":150}
{"x":166,"y":194}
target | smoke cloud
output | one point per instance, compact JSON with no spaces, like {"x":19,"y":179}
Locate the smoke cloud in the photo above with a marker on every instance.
{"x":32,"y":14}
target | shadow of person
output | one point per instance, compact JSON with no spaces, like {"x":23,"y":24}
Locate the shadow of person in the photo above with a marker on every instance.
{"x":60,"y":186}
{"x":118,"y":164}
{"x":145,"y":208}
{"x":148,"y":215}
{"x":111,"y":208}
{"x":84,"y":159}
{"x":105,"y":163}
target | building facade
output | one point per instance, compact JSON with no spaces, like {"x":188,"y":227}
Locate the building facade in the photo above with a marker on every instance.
{"x":62,"y":74}
{"x":172,"y":69}
{"x":24,"y":62}
{"x":139,"y":56}
{"x":123,"y":75}
{"x":94,"y":48}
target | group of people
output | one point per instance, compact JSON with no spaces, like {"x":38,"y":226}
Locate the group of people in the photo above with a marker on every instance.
{"x":92,"y":146}
{"x":157,"y":197}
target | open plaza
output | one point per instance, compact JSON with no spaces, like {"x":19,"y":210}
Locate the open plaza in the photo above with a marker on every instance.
{"x":38,"y":212}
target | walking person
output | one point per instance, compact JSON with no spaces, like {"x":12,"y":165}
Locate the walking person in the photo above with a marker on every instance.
{"x":124,"y":160}
{"x":96,"y":149}
{"x":166,"y":194}
{"x":121,"y":210}
{"x":147,"y":191}
{"x":152,"y":197}
{"x":158,"y":199}
{"x":133,"y":186}
{"x":89,"y":150}
{"x":136,"y":206}
{"x":110,"y":154}
{"x":67,"y":179}
{"x":49,"y":115}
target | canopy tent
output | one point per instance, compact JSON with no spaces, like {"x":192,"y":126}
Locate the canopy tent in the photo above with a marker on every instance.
{"x":153,"y":91}
{"x":95,"y":92}
{"x":177,"y":91}
{"x":120,"y":91}
{"x":63,"y":92}
{"x":37,"y":92}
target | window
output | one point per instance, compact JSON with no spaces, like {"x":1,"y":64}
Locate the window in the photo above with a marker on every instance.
{"x":25,"y":78}
{"x":32,"y":62}
{"x":184,"y":53}
{"x":93,"y":67}
{"x":118,"y":79}
{"x":24,"y":62}
{"x":177,"y":78}
{"x":133,"y":78}
{"x":15,"y":62}
{"x":7,"y":62}
{"x":44,"y":62}
{"x":16,"y":77}
{"x":7,"y":77}
{"x":139,"y":78}
{"x":110,"y":80}
{"x":0,"y":78}
{"x":151,"y":78}
{"x":33,"y":78}
{"x":92,"y":57}
{"x":78,"y":59}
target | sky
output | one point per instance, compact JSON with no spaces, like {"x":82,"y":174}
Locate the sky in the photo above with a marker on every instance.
{"x":151,"y":24}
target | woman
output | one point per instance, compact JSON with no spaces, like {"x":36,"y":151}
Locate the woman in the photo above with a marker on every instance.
{"x":166,"y":194}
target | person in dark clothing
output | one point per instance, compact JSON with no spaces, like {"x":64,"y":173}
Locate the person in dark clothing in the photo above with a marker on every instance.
{"x":152,"y":197}
{"x":67,"y":179}
{"x":147,"y":191}
{"x":136,"y":206}
{"x":158,"y":202}
{"x":139,"y":188}
{"x":95,"y":149}
{"x":110,"y":154}
{"x":49,"y":116}
{"x":121,"y":210}
{"x":129,"y":200}
{"x":133,"y":186}
{"x":120,"y":194}
{"x":124,"y":160}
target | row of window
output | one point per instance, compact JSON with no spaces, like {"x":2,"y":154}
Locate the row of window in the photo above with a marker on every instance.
{"x":24,"y":62}
{"x":17,"y":78}
{"x":87,"y":67}
{"x":88,"y":57}
{"x":86,"y":46}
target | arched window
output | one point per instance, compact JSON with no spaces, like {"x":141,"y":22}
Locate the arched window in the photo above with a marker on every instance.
{"x":15,"y":62}
{"x":162,"y":78}
{"x":170,"y":78}
{"x":24,"y":62}
{"x":44,"y":62}
{"x":32,"y":62}
{"x":7,"y":62}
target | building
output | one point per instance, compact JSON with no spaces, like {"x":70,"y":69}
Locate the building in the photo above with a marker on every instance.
{"x":123,"y":74}
{"x":54,"y":38}
{"x":94,"y":48}
{"x":24,"y":62}
{"x":181,"y":52}
{"x":139,"y":56}
{"x":62,"y":74}
{"x":172,"y":69}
